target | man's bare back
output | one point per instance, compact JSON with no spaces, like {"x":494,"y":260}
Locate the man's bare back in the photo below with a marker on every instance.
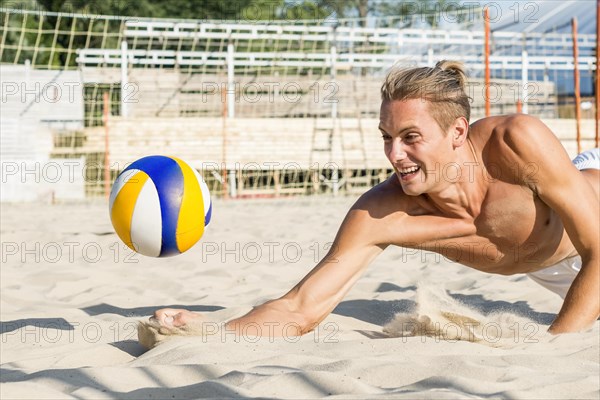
{"x":501,"y":196}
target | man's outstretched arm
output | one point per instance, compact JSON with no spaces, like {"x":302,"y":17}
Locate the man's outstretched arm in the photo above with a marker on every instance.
{"x":318,"y":293}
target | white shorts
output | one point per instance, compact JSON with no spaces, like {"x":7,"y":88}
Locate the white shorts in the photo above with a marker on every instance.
{"x":589,"y":159}
{"x":559,"y":277}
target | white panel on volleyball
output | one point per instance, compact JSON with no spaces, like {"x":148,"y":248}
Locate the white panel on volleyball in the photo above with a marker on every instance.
{"x":146,"y":222}
{"x":118,"y":184}
{"x":205,"y":193}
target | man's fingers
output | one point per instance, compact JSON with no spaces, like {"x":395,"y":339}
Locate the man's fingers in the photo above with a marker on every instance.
{"x":163,"y":313}
{"x":168,"y":311}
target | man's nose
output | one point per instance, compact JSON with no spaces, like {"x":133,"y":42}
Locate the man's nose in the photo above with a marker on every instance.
{"x":398,"y":150}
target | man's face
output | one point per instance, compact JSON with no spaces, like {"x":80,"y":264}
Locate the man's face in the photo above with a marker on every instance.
{"x":415,"y":145}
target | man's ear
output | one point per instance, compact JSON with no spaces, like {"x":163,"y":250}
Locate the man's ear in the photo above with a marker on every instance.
{"x":459,"y":130}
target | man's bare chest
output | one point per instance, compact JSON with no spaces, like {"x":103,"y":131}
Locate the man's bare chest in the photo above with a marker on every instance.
{"x":514,"y":231}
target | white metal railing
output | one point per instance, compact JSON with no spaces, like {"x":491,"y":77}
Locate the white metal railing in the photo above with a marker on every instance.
{"x":178,"y":30}
{"x":90,"y":57}
{"x":413,"y":45}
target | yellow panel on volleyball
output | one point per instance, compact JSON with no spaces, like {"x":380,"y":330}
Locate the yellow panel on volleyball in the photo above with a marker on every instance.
{"x":190,"y":224}
{"x":121,"y":212}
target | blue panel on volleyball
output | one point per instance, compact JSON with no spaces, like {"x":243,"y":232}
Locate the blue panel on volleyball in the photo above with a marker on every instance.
{"x":208,"y":215}
{"x":168,"y":179}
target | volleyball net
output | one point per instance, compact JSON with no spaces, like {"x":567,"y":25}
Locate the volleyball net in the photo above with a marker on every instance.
{"x":267,"y":75}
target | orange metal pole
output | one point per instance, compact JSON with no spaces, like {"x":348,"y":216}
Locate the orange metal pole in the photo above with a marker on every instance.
{"x":224,"y":135}
{"x":486,"y":19}
{"x":598,"y":73}
{"x":577,"y":88}
{"x":106,"y":112}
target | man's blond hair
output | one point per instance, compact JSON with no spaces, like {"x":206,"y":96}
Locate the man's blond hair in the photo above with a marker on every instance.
{"x":443,"y":86}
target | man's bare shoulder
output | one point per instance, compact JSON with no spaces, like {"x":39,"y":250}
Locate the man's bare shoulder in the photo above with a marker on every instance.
{"x":384,"y":215}
{"x":513,"y":142}
{"x":385,"y":199}
{"x":514,"y":133}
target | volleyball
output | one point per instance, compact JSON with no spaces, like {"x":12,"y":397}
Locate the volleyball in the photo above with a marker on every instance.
{"x":160,"y":206}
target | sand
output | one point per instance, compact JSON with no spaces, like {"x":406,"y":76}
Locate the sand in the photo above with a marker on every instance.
{"x":414,"y":326}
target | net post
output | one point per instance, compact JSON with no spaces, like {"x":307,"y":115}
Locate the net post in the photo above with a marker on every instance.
{"x":576,"y":87}
{"x":106,"y":112}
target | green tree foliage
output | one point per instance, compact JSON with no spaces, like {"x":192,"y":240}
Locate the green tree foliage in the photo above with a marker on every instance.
{"x":421,"y":13}
{"x":250,"y":10}
{"x":48,"y":39}
{"x":349,"y":8}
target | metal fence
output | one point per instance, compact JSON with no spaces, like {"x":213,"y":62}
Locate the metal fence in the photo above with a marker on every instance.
{"x":251,"y":69}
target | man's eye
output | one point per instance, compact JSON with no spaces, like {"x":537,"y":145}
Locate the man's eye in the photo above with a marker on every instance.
{"x":411,"y":137}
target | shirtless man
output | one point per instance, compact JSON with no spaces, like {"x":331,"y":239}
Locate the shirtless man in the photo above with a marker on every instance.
{"x":503,"y":190}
